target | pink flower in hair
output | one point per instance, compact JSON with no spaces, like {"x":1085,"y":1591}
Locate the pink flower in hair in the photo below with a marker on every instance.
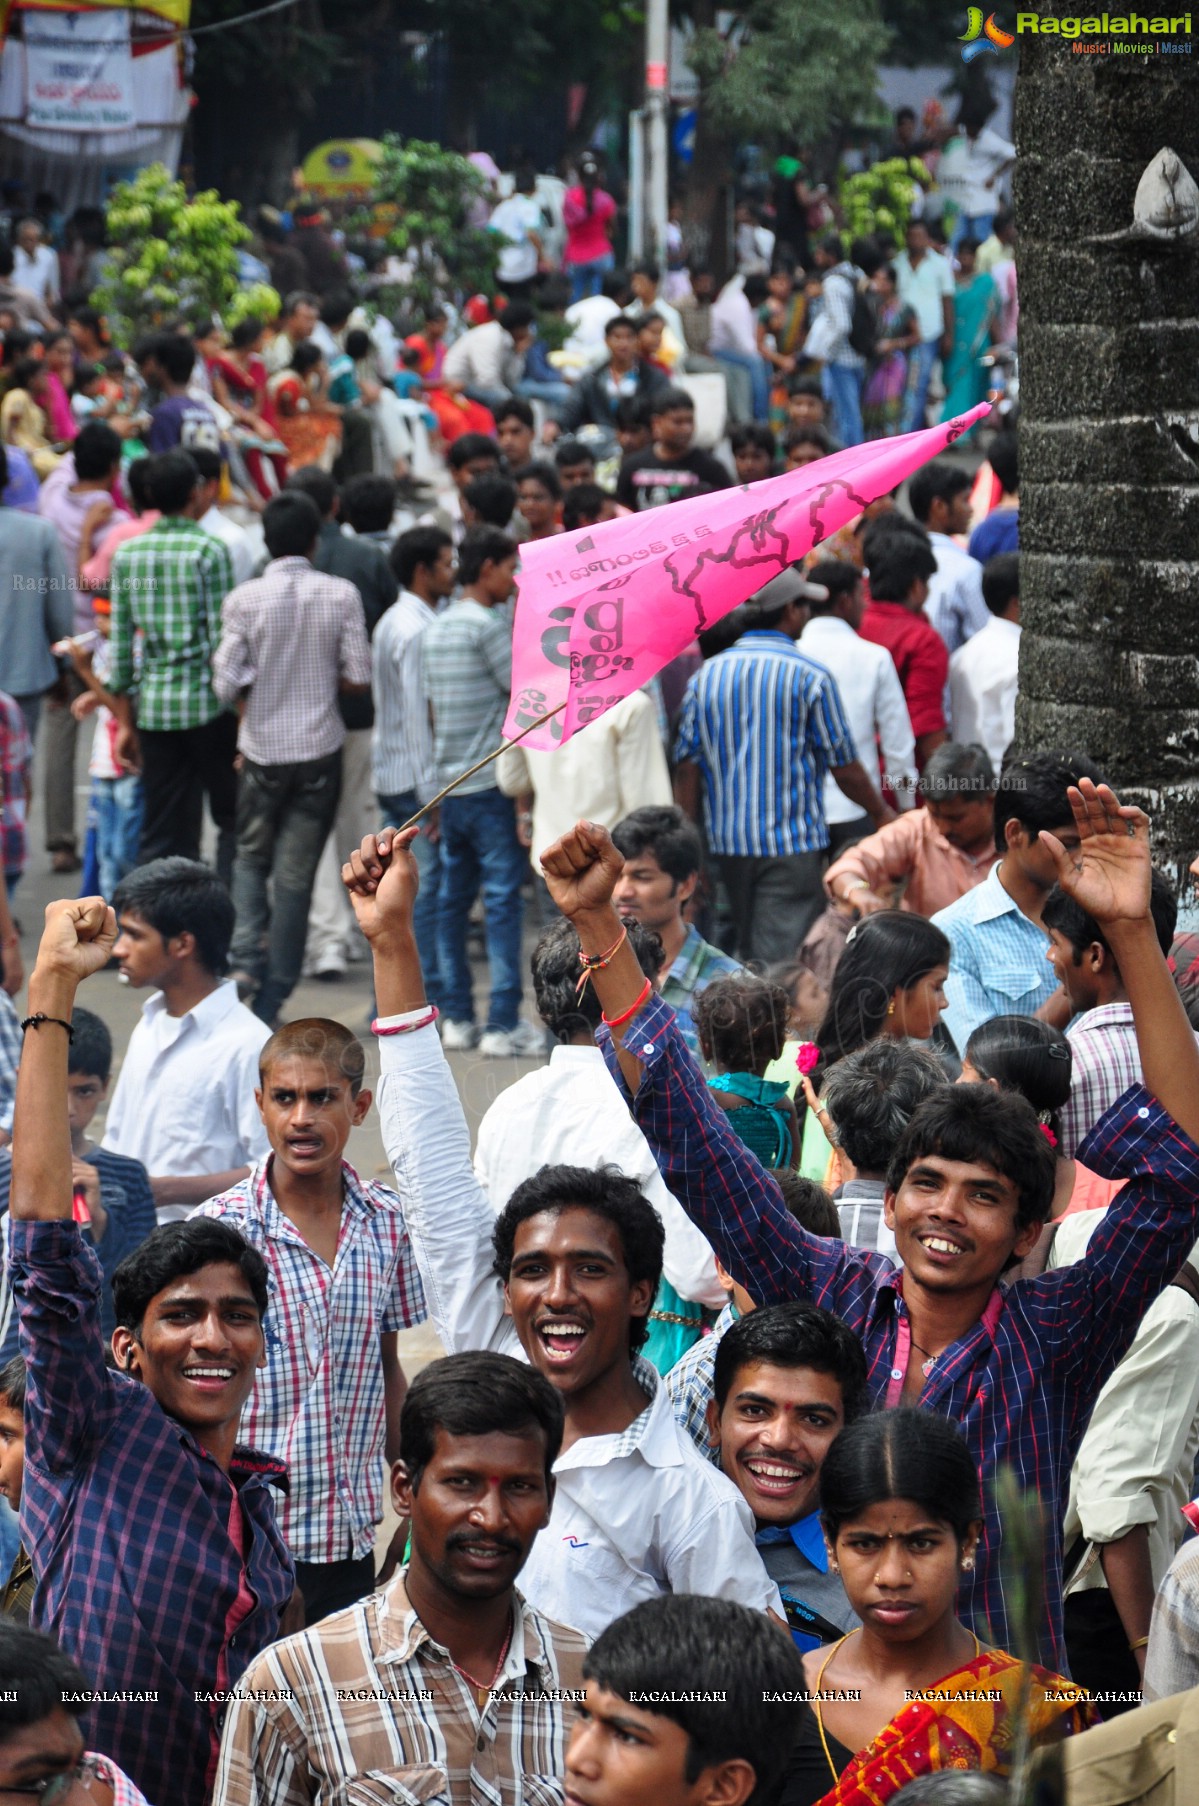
{"x":1049,"y":1135}
{"x":807,"y":1057}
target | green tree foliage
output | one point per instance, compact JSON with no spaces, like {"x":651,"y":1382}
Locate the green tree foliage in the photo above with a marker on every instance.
{"x":168,"y":255}
{"x":804,"y":66}
{"x":432,"y":190}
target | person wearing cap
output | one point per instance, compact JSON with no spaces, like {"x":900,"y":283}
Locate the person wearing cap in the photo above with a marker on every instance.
{"x":762,"y":725}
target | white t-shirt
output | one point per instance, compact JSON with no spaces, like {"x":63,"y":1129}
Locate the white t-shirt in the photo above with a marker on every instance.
{"x":965,"y":169}
{"x":514,"y":219}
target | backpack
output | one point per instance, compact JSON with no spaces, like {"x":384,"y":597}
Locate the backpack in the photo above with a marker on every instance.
{"x":863,"y":325}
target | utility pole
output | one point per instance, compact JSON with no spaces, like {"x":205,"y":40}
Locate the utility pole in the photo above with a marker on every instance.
{"x":657,"y":120}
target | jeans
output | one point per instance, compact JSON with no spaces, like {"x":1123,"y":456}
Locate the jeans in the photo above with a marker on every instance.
{"x":774,"y":901}
{"x":554,"y":395}
{"x":479,"y":848}
{"x":921,"y":359}
{"x":842,"y":385}
{"x":758,"y":371}
{"x":486,"y":398}
{"x":60,"y":732}
{"x":971,"y":225}
{"x":587,"y":279}
{"x":284,"y":815}
{"x":180,"y":767}
{"x":396,"y":810}
{"x":118,"y":807}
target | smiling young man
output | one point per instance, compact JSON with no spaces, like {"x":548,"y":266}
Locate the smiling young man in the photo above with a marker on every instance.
{"x":446,"y":1686}
{"x":567,"y":1273}
{"x":670,"y":1720}
{"x":159,"y":1564}
{"x":969,"y":1186}
{"x":343,"y":1283}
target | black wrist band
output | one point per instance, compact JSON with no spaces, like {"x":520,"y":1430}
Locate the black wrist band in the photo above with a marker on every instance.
{"x":36,"y":1022}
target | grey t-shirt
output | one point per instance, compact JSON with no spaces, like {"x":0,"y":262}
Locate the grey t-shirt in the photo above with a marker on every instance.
{"x":796,"y":1560}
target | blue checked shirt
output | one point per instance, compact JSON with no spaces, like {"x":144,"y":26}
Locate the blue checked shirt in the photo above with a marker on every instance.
{"x":10,"y":1058}
{"x":998,"y":965}
{"x":1022,"y":1391}
{"x":765,"y":724}
{"x":689,"y":1383}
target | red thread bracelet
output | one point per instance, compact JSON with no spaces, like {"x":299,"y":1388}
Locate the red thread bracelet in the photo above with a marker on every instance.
{"x":406,"y":1028}
{"x":619,"y":1021}
{"x":595,"y":962}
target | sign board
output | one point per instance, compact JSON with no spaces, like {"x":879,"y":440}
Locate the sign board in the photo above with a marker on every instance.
{"x":79,"y":70}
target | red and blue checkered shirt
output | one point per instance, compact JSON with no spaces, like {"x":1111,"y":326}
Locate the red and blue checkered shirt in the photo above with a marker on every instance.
{"x":318,"y":1404}
{"x":127,"y":1523}
{"x":1021,"y":1392}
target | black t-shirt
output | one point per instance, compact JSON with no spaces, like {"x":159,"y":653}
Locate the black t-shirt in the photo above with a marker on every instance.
{"x":648,"y":481}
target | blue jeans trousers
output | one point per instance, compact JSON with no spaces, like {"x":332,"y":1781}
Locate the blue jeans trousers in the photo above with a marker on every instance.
{"x":587,"y":279}
{"x":921,"y":359}
{"x":842,"y":385}
{"x":479,"y":850}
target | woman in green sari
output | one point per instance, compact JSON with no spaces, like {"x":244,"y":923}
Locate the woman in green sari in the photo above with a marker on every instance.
{"x":975,"y":311}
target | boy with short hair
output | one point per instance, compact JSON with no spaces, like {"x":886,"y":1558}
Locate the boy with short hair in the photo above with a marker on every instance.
{"x":343,"y":1282}
{"x":672,"y":470}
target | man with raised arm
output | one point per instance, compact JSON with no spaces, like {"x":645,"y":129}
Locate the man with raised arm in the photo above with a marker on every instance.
{"x":969,"y":1186}
{"x":565,"y":1274}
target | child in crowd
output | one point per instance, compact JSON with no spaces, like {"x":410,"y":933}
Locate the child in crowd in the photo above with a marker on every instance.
{"x":17,"y":1596}
{"x":115,"y":806}
{"x":742,"y":1024}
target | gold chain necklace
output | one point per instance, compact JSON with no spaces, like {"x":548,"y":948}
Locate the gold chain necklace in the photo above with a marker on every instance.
{"x":833,"y":1769}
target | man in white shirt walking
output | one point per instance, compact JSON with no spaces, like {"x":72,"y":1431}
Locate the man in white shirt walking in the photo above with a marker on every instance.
{"x":567,"y":1274}
{"x":403,"y":768}
{"x":926,"y":286}
{"x":234,"y":538}
{"x":871,"y":695}
{"x":984,"y":673}
{"x":184,"y":1101}
{"x":291,"y":641}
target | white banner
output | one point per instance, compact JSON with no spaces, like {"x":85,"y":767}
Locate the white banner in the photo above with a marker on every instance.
{"x":79,"y":70}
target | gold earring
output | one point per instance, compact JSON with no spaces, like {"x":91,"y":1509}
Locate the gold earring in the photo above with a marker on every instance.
{"x":891,"y":1007}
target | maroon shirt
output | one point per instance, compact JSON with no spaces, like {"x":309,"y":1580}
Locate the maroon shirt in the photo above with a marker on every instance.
{"x":920,"y":658}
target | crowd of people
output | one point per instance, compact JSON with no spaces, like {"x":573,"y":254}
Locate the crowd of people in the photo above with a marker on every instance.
{"x":863,"y":1170}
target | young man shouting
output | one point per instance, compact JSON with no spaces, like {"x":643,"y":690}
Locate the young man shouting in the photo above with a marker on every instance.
{"x":159,"y":1564}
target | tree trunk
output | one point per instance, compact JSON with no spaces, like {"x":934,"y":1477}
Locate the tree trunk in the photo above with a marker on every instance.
{"x":1109,"y":431}
{"x":705,"y":205}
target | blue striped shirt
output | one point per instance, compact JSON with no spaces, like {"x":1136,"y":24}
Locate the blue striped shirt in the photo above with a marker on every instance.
{"x":765,"y":724}
{"x":998,"y":964}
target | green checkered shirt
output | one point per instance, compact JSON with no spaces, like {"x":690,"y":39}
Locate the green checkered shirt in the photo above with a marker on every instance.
{"x":169,"y":583}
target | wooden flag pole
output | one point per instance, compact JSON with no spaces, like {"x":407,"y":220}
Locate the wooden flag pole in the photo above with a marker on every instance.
{"x":479,"y":764}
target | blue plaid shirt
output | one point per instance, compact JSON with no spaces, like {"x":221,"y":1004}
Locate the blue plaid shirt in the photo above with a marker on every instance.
{"x":1021,"y":1392}
{"x":689,"y":1383}
{"x":765,"y":724}
{"x":998,"y":965}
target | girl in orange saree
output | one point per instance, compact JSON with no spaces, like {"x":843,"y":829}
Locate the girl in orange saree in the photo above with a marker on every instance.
{"x":912,"y":1691}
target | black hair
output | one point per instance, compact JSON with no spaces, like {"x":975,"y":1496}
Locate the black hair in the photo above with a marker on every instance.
{"x":247,"y":332}
{"x":741,"y":1021}
{"x":173,"y":1251}
{"x":173,"y":480}
{"x":1026,"y":1056}
{"x":978,"y":1125}
{"x":565,"y":1010}
{"x":663,"y":830}
{"x":306,"y":356}
{"x":317,"y":1038}
{"x":515,"y":408}
{"x":1075,"y":925}
{"x":794,"y":1335}
{"x":808,"y":1203}
{"x":174,"y":354}
{"x":368,"y":502}
{"x":543,"y":473}
{"x":317,"y":484}
{"x":572,"y":451}
{"x":968,"y":244}
{"x":896,"y":557}
{"x":207,"y":462}
{"x":470,"y":446}
{"x":90,"y":318}
{"x":482,"y":545}
{"x":477,"y":1394}
{"x":36,"y":1679}
{"x":902,"y":1454}
{"x":867,"y":254}
{"x":833,"y":246}
{"x":419,"y":545}
{"x":807,"y":385}
{"x":755,"y":433}
{"x":816,"y":435}
{"x":492,"y":497}
{"x":646,"y":267}
{"x":670,"y":401}
{"x":674,"y":1650}
{"x":1004,"y":458}
{"x":1001,"y":581}
{"x":291,"y":524}
{"x":26,"y":371}
{"x":582,"y":505}
{"x":955,"y":769}
{"x":300,"y":297}
{"x":14,"y":1375}
{"x":905,"y":113}
{"x":872,"y":1094}
{"x":633,"y":412}
{"x":90,"y":1049}
{"x":137,"y":481}
{"x":1032,"y":791}
{"x":517,"y":315}
{"x":605,"y":1192}
{"x":936,"y":481}
{"x":839,"y":578}
{"x":336,"y":308}
{"x":619,"y":322}
{"x":358,"y":344}
{"x":888,"y":951}
{"x":96,"y":450}
{"x":181,"y":896}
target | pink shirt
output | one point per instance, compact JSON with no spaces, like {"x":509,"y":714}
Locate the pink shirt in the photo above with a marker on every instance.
{"x":98,"y":568}
{"x":586,"y":236}
{"x":911,"y":847}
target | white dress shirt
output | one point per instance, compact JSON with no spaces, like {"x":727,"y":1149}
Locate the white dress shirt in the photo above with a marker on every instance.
{"x":636,"y":1513}
{"x":570,"y":1112}
{"x":733,"y":321}
{"x":955,"y":603}
{"x":983,"y":676}
{"x":184,"y":1099}
{"x":483,"y":358}
{"x":619,"y":766}
{"x":37,"y":275}
{"x":402,"y":743}
{"x":872,"y":697}
{"x":241,"y":548}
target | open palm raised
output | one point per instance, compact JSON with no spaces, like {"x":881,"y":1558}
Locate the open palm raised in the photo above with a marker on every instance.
{"x":1109,"y":874}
